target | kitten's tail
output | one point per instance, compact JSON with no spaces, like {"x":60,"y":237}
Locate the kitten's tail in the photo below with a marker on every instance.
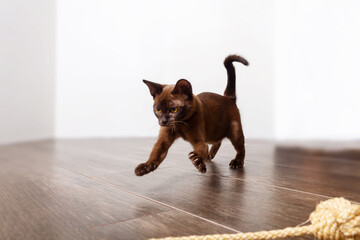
{"x":230,"y":90}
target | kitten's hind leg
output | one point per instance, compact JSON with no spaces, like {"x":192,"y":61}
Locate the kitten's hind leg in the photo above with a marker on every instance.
{"x":213,"y":150}
{"x":238,"y":141}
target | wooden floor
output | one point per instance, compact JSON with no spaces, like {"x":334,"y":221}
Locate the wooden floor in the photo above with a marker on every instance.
{"x":87,"y":189}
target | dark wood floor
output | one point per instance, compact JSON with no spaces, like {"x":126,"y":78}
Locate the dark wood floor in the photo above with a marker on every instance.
{"x":87,"y":189}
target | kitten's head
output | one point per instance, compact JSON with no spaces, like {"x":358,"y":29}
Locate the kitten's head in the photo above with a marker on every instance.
{"x":172,"y":103}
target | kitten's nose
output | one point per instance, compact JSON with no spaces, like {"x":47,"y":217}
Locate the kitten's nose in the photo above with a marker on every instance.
{"x":164,"y":121}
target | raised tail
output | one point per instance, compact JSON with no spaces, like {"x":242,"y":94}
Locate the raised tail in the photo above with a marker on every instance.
{"x":230,"y":90}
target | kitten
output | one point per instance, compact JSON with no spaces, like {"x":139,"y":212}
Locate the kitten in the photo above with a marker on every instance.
{"x":203,"y":119}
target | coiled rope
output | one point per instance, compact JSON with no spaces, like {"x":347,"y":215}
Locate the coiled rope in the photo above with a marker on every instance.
{"x":333,"y":219}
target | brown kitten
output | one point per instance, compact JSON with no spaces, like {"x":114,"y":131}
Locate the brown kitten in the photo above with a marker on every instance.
{"x":203,"y":119}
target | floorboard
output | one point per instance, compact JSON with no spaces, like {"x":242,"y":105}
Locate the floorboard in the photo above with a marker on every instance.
{"x":241,"y":205}
{"x":171,"y":223}
{"x":87,"y":189}
{"x":63,"y":205}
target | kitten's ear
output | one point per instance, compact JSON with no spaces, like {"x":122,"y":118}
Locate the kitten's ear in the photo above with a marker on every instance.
{"x":155,"y":88}
{"x":183,"y":87}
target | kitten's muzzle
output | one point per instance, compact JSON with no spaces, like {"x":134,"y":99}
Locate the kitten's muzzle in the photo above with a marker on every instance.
{"x":163,"y":121}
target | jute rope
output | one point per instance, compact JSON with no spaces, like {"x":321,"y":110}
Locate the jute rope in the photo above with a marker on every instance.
{"x":333,"y":219}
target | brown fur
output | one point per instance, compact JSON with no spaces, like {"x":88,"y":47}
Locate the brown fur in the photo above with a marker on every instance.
{"x":204,"y":119}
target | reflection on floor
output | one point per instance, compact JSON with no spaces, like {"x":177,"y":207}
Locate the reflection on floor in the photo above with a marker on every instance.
{"x":81,"y":189}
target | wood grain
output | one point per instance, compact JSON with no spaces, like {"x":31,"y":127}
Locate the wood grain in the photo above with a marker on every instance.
{"x":62,"y":205}
{"x":87,"y":189}
{"x":170,"y":223}
{"x":241,"y":205}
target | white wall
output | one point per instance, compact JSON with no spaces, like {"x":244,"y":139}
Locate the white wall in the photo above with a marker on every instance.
{"x":105,"y":49}
{"x":317,"y":69}
{"x":26,"y":70}
{"x":302,"y":82}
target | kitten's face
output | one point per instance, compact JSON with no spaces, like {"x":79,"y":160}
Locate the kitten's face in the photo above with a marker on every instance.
{"x":169,"y":108}
{"x":171,"y":103}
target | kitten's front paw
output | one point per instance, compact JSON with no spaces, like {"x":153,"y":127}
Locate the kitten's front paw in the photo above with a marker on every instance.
{"x":236,"y":163}
{"x":197,"y":161}
{"x":145,"y":168}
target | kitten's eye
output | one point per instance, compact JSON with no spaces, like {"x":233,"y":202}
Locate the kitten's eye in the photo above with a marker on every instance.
{"x":157,"y":110}
{"x":174,"y":109}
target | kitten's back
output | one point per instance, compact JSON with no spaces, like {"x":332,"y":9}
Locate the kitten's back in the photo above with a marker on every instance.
{"x":219,"y":112}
